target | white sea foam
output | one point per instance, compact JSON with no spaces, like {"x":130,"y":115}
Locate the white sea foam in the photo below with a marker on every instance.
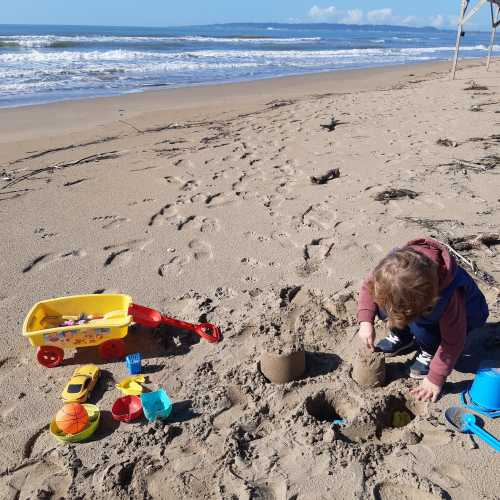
{"x":40,"y":56}
{"x":55,"y":41}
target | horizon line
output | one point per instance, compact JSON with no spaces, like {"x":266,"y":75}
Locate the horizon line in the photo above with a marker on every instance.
{"x":241,"y":23}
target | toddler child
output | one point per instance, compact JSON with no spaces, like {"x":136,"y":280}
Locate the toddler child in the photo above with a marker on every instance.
{"x":428,"y":300}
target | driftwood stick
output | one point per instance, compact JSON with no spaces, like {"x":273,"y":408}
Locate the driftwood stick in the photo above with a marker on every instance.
{"x":459,"y":256}
{"x":58,"y":166}
{"x":478,"y":274}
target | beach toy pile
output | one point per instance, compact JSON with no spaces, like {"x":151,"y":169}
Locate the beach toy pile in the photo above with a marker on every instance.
{"x":100,"y":320}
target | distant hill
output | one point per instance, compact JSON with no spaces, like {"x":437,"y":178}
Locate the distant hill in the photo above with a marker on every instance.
{"x":329,"y":26}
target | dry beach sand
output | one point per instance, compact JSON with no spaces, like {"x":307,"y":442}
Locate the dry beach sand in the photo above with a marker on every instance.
{"x":222,"y":204}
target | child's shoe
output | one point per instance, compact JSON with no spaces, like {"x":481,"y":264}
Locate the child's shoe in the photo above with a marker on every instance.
{"x":394,"y":344}
{"x":420,"y":366}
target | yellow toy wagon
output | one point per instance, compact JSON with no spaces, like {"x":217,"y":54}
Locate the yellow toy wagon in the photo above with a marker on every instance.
{"x":94,"y":320}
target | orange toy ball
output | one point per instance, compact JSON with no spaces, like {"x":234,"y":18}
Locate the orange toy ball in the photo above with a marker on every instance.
{"x":72,"y":418}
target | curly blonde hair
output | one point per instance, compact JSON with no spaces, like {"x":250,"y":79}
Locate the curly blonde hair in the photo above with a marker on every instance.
{"x":406,"y":285}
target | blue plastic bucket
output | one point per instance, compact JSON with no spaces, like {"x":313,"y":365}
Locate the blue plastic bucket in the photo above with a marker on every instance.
{"x":133,"y":362}
{"x":485,"y":390}
{"x":156,"y":404}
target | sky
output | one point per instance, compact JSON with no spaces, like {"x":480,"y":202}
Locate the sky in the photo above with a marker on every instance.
{"x":437,"y":13}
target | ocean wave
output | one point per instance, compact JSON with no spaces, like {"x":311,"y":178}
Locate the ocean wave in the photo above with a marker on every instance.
{"x":52,"y":41}
{"x":405,"y":39}
{"x":38,"y":42}
{"x":38,"y":56}
{"x":111,"y":76}
{"x":120,"y":67}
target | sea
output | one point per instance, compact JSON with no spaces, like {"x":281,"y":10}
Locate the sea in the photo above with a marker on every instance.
{"x":40,"y":64}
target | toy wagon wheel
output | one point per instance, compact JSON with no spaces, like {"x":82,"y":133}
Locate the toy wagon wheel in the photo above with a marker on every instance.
{"x":49,"y":356}
{"x":112,"y":350}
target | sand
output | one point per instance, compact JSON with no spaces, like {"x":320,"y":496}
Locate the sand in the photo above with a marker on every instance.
{"x":218,"y":204}
{"x":368,"y":368}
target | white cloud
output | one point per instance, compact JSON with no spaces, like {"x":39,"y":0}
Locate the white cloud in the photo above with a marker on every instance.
{"x":379,"y":16}
{"x":322,"y":12}
{"x":409,"y":20}
{"x":437,"y":21}
{"x":354,"y":16}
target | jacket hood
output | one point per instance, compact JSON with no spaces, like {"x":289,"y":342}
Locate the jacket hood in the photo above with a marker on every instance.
{"x":439,"y":254}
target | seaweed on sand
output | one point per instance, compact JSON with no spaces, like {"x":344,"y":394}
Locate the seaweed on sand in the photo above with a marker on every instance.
{"x":481,"y":241}
{"x":395,"y":194}
{"x":332,"y":125}
{"x":447,"y":142}
{"x":475,"y":86}
{"x":431,"y":225}
{"x":334,"y":173}
{"x":481,"y":165}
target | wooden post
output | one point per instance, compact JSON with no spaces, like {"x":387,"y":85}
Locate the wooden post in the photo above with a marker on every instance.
{"x":463,"y":9}
{"x":495,"y":20}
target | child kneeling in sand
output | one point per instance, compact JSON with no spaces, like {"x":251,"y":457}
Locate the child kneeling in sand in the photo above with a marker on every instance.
{"x":428,"y":300}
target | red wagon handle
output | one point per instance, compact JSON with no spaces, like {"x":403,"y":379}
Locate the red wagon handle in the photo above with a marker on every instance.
{"x":206,"y":331}
{"x":151,"y":318}
{"x":144,"y":316}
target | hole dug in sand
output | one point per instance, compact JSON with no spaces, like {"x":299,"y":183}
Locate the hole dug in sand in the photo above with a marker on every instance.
{"x":327,"y":406}
{"x":395,"y":415}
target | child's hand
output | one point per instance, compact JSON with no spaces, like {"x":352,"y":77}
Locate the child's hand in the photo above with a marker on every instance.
{"x":367,"y":334}
{"x":426,"y":391}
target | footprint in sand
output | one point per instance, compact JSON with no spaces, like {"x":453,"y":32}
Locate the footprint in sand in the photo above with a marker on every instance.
{"x":174,"y":180}
{"x":318,"y":216}
{"x":388,"y":490}
{"x":190,"y":185}
{"x":315,"y":254}
{"x":43,"y":260}
{"x":43,"y":479}
{"x":199,"y":198}
{"x":166,"y":212}
{"x":448,"y":475}
{"x":44,"y":234}
{"x":108,"y":221}
{"x":194,"y":222}
{"x":373,"y":249}
{"x":174,"y":267}
{"x":122,"y":253}
{"x":201,"y":250}
{"x":220,"y":199}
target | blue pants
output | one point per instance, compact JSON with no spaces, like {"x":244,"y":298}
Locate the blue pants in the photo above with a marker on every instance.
{"x":427,"y":337}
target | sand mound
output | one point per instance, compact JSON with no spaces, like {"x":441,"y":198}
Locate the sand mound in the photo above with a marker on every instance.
{"x":369,"y":368}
